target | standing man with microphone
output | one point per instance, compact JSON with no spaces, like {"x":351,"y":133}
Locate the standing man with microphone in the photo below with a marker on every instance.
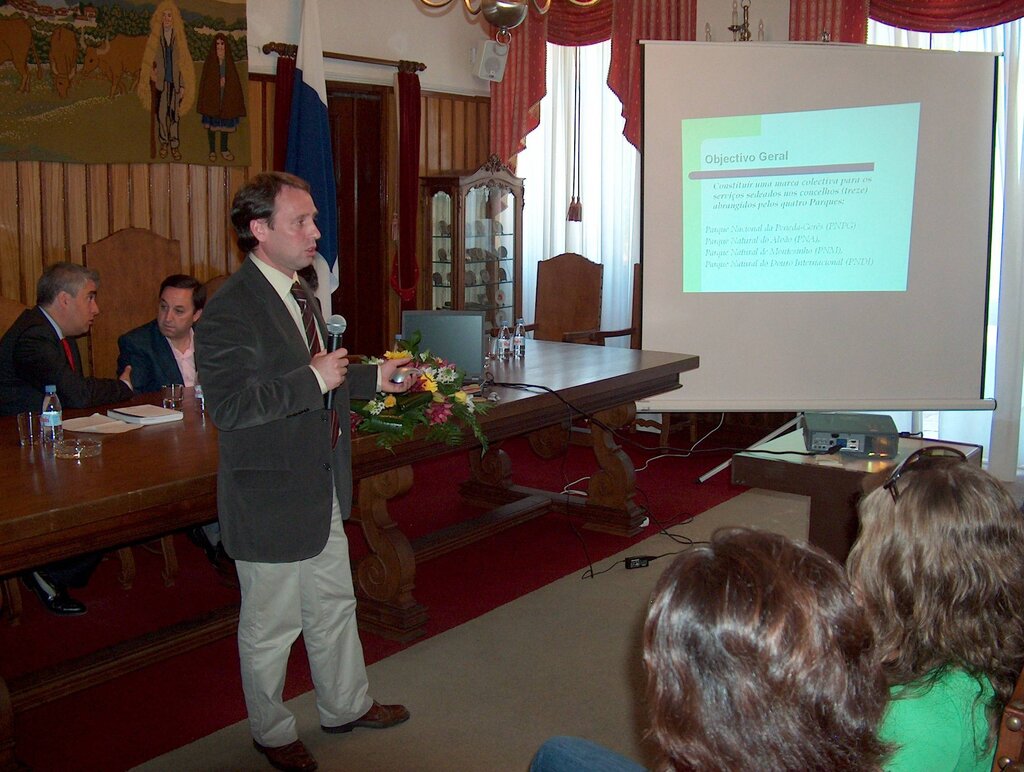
{"x":285,"y":483}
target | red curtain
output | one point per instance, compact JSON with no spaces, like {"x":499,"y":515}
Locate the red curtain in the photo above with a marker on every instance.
{"x":845,"y":21}
{"x":284,"y":81}
{"x":637,"y":20}
{"x":405,"y":271}
{"x":515,"y":101}
{"x":946,"y":15}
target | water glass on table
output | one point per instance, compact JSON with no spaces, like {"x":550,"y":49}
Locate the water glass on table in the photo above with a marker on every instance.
{"x":173,"y":395}
{"x":28,"y":429}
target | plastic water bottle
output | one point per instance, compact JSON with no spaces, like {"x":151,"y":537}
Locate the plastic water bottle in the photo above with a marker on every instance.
{"x":504,"y":342}
{"x":519,"y":340}
{"x":52,"y":420}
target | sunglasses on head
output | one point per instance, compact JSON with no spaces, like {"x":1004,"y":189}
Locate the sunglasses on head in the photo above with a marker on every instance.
{"x":921,"y":458}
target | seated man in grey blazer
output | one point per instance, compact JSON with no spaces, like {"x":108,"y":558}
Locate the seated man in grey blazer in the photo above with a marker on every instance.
{"x":280,"y":403}
{"x":161,"y":351}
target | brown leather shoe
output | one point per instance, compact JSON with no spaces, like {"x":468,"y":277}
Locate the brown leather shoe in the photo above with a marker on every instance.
{"x":292,"y":757}
{"x":377,"y":717}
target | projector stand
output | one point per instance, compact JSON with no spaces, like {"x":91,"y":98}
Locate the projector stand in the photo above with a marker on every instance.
{"x":725,"y":464}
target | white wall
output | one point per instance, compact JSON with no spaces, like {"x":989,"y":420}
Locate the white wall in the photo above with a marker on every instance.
{"x":442,"y":39}
{"x":718,"y":13}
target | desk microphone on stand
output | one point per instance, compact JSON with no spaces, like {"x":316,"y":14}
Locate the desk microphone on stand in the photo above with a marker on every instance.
{"x":335,"y":328}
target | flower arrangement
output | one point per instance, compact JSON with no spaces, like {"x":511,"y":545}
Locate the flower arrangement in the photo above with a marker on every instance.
{"x":437,"y":400}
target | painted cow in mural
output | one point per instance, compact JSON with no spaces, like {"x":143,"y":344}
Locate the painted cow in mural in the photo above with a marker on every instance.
{"x":15,"y":43}
{"x":115,"y":59}
{"x":63,"y":59}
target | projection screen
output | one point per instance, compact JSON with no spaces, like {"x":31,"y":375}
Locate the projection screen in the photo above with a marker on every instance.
{"x":816,"y":224}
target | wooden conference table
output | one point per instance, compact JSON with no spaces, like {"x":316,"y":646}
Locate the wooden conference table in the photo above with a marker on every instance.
{"x":158,"y":479}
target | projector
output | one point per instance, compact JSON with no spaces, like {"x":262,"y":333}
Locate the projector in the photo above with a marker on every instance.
{"x":856,"y":434}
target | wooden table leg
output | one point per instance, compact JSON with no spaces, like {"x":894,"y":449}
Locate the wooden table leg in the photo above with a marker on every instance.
{"x":170,"y":572}
{"x":385,"y":577}
{"x":8,"y":760}
{"x":127,"y":573}
{"x":609,"y":505}
{"x":11,"y":600}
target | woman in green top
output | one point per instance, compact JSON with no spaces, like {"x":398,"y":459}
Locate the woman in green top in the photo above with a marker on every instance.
{"x":939,"y":567}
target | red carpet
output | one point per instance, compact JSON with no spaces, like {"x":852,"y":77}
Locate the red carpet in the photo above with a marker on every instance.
{"x":146,"y":713}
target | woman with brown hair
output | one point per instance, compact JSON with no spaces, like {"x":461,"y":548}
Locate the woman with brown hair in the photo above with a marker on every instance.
{"x":758,"y":657}
{"x":939,"y":565}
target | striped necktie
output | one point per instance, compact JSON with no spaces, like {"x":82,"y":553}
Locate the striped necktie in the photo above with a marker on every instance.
{"x":308,"y":320}
{"x":309,"y":324}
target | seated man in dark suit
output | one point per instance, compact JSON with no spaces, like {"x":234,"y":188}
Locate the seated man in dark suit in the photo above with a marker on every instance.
{"x":40,"y":349}
{"x":161,"y":351}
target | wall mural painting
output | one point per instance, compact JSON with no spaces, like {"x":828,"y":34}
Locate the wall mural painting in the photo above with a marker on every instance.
{"x":124,"y":81}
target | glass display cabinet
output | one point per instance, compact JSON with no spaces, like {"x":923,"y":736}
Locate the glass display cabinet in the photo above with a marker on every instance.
{"x":472,"y":242}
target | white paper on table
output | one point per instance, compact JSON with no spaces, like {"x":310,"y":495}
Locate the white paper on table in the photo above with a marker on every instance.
{"x":98,"y":424}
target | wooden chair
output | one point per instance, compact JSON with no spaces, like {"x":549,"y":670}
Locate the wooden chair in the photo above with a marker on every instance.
{"x":1010,"y":746}
{"x":214,"y":284}
{"x":575,"y":317}
{"x":568,"y":298}
{"x":131,"y":262}
{"x":9,"y":311}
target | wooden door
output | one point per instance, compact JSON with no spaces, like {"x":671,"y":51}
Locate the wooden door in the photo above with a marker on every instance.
{"x":359,"y":138}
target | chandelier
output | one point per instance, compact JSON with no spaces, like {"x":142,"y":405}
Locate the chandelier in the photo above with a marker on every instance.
{"x":505,"y":14}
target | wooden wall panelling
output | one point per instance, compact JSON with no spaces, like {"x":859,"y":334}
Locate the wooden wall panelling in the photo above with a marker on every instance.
{"x":261,"y":123}
{"x":455,"y":132}
{"x":216,"y":225}
{"x":160,"y":199}
{"x":98,"y":205}
{"x":52,"y":213}
{"x":459,"y":148}
{"x":76,"y":199}
{"x":139,"y":214}
{"x":30,"y":255}
{"x":178,"y":199}
{"x":120,"y":201}
{"x":10,"y":247}
{"x":194,"y":252}
{"x":429,"y":136}
{"x":446,"y":133}
{"x":267,"y":135}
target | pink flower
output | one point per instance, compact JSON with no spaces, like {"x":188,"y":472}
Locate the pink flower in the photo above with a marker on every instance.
{"x":354,"y":419}
{"x":439,"y":412}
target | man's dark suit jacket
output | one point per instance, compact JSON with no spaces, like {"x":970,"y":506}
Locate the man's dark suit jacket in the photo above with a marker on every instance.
{"x":149,"y":353}
{"x":31,"y":357}
{"x":274,"y":483}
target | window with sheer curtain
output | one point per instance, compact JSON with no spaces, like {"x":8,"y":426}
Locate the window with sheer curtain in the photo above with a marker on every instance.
{"x":998,"y":432}
{"x":609,"y":178}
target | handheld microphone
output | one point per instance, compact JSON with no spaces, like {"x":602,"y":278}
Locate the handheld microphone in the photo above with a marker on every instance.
{"x":335,"y":328}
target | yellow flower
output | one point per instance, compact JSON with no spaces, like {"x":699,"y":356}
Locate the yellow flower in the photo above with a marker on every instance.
{"x":428,"y":383}
{"x":390,"y":401}
{"x":438,"y":396}
{"x":396,"y":354}
{"x":460,"y":396}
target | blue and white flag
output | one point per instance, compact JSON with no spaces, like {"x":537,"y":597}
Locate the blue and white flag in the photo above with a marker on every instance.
{"x":309,"y":143}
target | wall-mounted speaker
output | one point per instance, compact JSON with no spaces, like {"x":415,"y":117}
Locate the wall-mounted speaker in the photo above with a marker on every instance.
{"x":492,"y":61}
